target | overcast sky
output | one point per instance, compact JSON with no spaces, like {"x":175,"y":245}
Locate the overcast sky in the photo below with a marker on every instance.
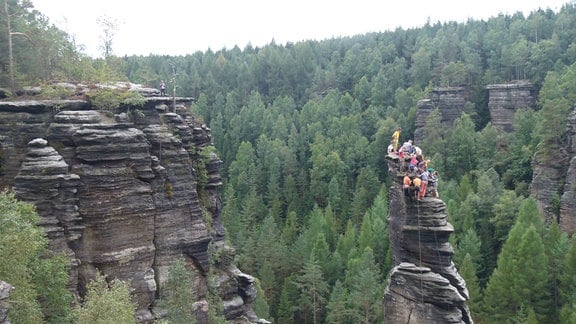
{"x":179,"y":27}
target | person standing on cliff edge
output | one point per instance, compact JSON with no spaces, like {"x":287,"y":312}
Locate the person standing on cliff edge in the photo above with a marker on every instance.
{"x":162,"y":88}
{"x":396,"y":138}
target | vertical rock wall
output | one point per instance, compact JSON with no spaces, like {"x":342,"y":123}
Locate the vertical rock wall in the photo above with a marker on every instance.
{"x":119,"y":194}
{"x":568,"y":200}
{"x":449,"y":101}
{"x":423,"y":285}
{"x":554,"y":181}
{"x":505,"y":99}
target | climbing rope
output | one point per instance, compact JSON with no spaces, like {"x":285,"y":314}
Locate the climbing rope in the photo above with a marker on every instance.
{"x":420,"y":253}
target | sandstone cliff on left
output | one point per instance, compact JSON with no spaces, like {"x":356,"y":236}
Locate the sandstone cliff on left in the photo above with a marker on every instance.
{"x":126,"y":194}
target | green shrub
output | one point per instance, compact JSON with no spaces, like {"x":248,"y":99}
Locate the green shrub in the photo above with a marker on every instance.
{"x":21,"y":242}
{"x":51,"y":277}
{"x":177,"y":294}
{"x":111,"y":99}
{"x":106,"y":303}
{"x":54,"y":91}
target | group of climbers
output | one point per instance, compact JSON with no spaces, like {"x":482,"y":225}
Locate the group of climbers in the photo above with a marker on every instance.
{"x":418,"y":176}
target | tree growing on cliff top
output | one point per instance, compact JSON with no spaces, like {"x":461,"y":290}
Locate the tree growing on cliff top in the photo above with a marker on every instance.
{"x":556,"y":99}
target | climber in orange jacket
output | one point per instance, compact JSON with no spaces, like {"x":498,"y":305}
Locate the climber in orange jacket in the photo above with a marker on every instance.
{"x":417,"y":182}
{"x":407,"y":183}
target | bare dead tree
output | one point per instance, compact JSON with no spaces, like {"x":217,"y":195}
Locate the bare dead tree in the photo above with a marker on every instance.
{"x":10,"y":50}
{"x":173,"y":80}
{"x":109,"y":29}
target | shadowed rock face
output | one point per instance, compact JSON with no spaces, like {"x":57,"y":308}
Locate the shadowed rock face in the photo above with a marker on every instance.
{"x":449,"y":101}
{"x":119,"y":194}
{"x":503,"y":102}
{"x":555,"y":177}
{"x":505,"y":99}
{"x":424,"y":285}
{"x":568,"y":201}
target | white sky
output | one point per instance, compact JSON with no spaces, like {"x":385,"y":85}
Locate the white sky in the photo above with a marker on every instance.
{"x":179,"y":27}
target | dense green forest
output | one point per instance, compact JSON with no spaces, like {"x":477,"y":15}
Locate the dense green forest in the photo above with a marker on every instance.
{"x":302,"y":129}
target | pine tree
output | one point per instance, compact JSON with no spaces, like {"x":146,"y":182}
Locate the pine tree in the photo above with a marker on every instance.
{"x":337,"y":306}
{"x":321,"y":253}
{"x":290,"y":229}
{"x":270,"y":258}
{"x":287,"y":307}
{"x":381,"y":243}
{"x":347,"y":241}
{"x":504,"y":215}
{"x":531,"y":281}
{"x":468,"y":272}
{"x":556,"y":245}
{"x":363,"y":278}
{"x":365,"y":238}
{"x":177,"y":293}
{"x":567,"y":287}
{"x":313,"y":291}
{"x":568,"y":313}
{"x":529,"y":214}
{"x":469,"y":245}
{"x":501,"y":300}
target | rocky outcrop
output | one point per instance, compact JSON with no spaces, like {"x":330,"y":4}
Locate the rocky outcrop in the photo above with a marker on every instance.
{"x":554,"y":180}
{"x":505,"y":99}
{"x":449,"y":101}
{"x":125,"y":194}
{"x":568,"y":200}
{"x":503,"y":102}
{"x":5,"y":290}
{"x":424,"y":285}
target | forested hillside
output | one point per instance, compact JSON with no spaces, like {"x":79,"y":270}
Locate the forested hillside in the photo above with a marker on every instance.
{"x":302,"y":130}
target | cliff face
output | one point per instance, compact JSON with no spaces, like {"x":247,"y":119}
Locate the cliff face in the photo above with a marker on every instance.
{"x":505,"y":99}
{"x":124,"y":194}
{"x":449,"y":101}
{"x":568,"y":200}
{"x":424,"y":285}
{"x":554,"y":184}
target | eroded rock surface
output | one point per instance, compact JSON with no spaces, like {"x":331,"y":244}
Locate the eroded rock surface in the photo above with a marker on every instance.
{"x":505,"y":99}
{"x":126,"y":194}
{"x":449,"y":101}
{"x":424,"y":286}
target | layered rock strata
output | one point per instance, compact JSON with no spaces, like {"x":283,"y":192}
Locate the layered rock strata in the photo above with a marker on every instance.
{"x":125,"y":194}
{"x":424,"y":286}
{"x":449,"y":101}
{"x":505,"y":99}
{"x":568,"y":200}
{"x":554,"y":181}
